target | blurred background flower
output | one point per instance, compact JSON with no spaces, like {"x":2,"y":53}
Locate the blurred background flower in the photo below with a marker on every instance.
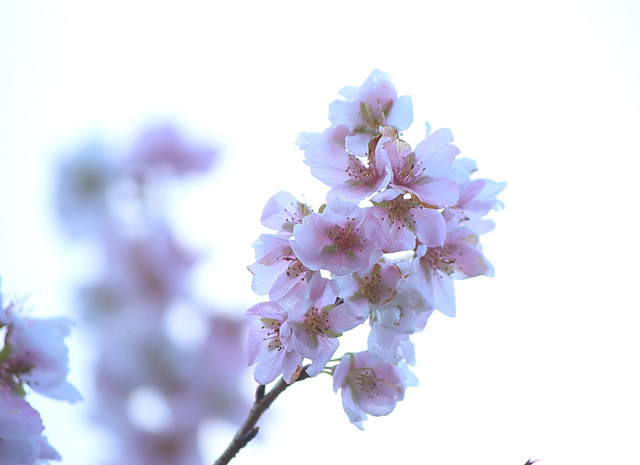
{"x":166,"y":363}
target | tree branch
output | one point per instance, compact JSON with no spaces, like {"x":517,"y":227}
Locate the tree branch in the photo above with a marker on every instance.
{"x":249,"y":430}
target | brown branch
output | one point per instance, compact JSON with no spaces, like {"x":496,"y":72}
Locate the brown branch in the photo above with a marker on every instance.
{"x":248,"y":430}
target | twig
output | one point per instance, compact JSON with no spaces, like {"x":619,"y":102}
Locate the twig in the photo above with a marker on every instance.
{"x":248,"y":430}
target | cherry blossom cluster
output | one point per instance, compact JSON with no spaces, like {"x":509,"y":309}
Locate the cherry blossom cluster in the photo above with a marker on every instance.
{"x":399,"y":226}
{"x":166,"y":362}
{"x":33,"y":357}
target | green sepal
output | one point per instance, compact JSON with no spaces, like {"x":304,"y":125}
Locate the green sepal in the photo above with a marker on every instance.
{"x":329,"y":248}
{"x":5,"y":352}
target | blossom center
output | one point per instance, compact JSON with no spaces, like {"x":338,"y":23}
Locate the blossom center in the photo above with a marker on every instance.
{"x":374,"y":117}
{"x":370,"y":288}
{"x":345,"y":238}
{"x":273,"y":333}
{"x":296,"y":269}
{"x":442,"y":259}
{"x":295,"y":215}
{"x":408,"y":170}
{"x":366,"y":382}
{"x":360,"y":172}
{"x":316,"y":322}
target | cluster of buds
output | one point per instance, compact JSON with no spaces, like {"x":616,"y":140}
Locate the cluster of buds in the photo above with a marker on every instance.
{"x":400,"y":224}
{"x":166,"y":362}
{"x":34,"y":357}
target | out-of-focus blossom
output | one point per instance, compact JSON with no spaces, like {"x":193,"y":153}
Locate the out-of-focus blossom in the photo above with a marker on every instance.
{"x":82,"y":189}
{"x":172,"y":446}
{"x":33,"y":354}
{"x":21,"y":440}
{"x":39,"y":357}
{"x":143,"y":275}
{"x":163,"y":146}
{"x":151,"y":265}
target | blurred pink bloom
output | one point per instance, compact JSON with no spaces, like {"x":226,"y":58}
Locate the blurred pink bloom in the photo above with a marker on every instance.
{"x":152,"y":267}
{"x":39,"y":357}
{"x":163,"y":146}
{"x":173,"y":446}
{"x":83,"y":183}
{"x":21,"y":442}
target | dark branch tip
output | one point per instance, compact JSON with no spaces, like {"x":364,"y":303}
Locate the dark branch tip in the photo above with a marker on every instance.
{"x":260,"y":390}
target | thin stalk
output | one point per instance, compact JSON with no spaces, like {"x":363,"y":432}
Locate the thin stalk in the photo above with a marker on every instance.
{"x":249,"y":430}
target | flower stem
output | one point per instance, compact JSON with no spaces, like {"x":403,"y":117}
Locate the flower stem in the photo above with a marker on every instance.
{"x":249,"y":430}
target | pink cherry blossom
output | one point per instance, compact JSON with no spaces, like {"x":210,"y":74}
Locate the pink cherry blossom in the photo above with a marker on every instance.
{"x":282,"y":212}
{"x":395,"y":349}
{"x":315,"y":325}
{"x":370,"y":385}
{"x":268,"y":349}
{"x":400,"y":220}
{"x":368,"y":289}
{"x":352,"y":177}
{"x":477,"y":198}
{"x":335,"y":240}
{"x":399,"y":225}
{"x":424,"y":171}
{"x":375,"y":103}
{"x":460,"y":257}
{"x":278,"y":271}
{"x":405,"y":314}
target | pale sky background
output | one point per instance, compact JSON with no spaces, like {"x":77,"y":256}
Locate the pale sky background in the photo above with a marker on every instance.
{"x":541,"y":361}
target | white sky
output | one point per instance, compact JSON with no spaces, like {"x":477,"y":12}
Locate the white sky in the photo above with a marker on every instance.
{"x":541,"y":361}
